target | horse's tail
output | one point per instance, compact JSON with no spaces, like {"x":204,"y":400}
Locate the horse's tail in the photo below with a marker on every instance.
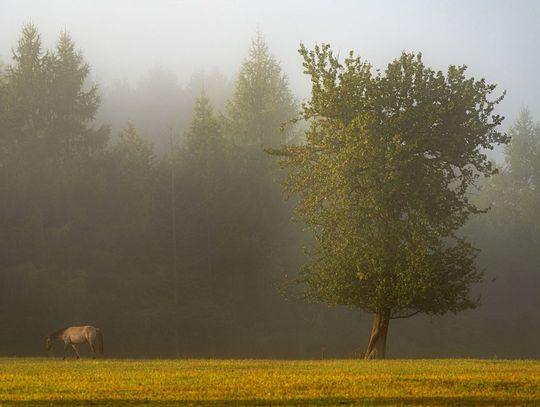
{"x":99,"y":337}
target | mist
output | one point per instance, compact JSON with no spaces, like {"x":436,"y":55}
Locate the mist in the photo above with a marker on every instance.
{"x":96,"y":231}
{"x":124,"y":40}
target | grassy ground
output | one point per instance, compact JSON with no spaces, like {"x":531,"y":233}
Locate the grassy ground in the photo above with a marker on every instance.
{"x":265,"y":382}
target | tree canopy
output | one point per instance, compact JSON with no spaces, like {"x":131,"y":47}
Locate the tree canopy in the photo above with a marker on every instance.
{"x":383,"y":181}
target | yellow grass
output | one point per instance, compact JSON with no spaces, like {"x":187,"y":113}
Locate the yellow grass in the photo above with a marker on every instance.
{"x":268,"y":382}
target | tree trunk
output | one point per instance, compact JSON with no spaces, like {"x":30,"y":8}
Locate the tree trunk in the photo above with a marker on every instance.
{"x":377,"y":342}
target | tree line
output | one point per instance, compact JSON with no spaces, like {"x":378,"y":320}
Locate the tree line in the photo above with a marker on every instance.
{"x":189,"y":250}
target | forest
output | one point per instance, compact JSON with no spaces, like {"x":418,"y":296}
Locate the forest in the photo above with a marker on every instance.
{"x":155,"y":212}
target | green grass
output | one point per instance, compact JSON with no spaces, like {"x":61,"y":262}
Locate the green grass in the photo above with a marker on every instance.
{"x":267,"y":382}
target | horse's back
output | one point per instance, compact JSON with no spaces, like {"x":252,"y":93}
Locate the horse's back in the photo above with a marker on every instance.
{"x":79,"y":334}
{"x":89,"y":328}
{"x":90,"y":331}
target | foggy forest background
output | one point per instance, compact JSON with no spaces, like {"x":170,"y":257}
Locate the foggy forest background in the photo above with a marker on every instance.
{"x":152,"y":211}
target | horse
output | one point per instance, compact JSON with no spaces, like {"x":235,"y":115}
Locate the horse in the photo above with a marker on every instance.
{"x":74,"y":335}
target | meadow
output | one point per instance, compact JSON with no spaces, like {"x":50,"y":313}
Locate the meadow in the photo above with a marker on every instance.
{"x":42,"y":381}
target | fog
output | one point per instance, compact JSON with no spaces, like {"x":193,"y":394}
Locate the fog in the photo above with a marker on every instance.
{"x":153,"y":212}
{"x":122,"y":40}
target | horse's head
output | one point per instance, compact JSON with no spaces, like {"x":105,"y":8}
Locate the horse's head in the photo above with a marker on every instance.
{"x":48,"y":343}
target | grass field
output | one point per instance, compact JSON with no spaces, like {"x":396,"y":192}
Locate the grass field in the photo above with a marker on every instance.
{"x":266,"y":382}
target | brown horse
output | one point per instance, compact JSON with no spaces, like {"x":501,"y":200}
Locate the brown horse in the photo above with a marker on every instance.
{"x":74,"y":335}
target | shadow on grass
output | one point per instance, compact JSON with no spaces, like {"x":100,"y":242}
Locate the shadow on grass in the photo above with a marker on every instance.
{"x":380,"y":401}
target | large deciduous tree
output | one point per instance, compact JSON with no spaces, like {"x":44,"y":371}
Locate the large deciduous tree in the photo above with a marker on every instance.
{"x":383,"y":182}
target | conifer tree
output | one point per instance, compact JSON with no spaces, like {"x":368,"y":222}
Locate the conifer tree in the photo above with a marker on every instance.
{"x":26,"y":91}
{"x":74,"y":101}
{"x":262,"y":102}
{"x":523,"y":152}
{"x":204,"y":138}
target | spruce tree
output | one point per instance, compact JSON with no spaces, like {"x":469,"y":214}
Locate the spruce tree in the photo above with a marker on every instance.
{"x":523,"y":152}
{"x":204,"y":139}
{"x":74,"y":102}
{"x":262,"y":103}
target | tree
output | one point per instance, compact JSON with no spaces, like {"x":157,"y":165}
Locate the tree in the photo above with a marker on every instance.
{"x":514,"y":194}
{"x":135,"y":158}
{"x":383,"y":183}
{"x":201,"y":206}
{"x":204,"y":165}
{"x":3,"y":111}
{"x":49,"y":149}
{"x":262,"y":101}
{"x":25,"y":91}
{"x":509,"y":236}
{"x":257,"y":116}
{"x":523,"y":153}
{"x":204,"y":140}
{"x":217,"y":87}
{"x":73,"y":103}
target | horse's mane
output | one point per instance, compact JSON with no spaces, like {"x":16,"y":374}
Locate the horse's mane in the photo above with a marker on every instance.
{"x":58,"y":332}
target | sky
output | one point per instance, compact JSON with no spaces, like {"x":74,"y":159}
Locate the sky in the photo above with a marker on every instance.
{"x":123,"y":39}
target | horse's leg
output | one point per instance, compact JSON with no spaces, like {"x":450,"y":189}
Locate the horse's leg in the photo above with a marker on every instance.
{"x":75,"y":349}
{"x":65,"y":347}
{"x":93,"y":349}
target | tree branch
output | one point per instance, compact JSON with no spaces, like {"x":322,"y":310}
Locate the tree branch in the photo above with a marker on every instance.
{"x":406,"y":315}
